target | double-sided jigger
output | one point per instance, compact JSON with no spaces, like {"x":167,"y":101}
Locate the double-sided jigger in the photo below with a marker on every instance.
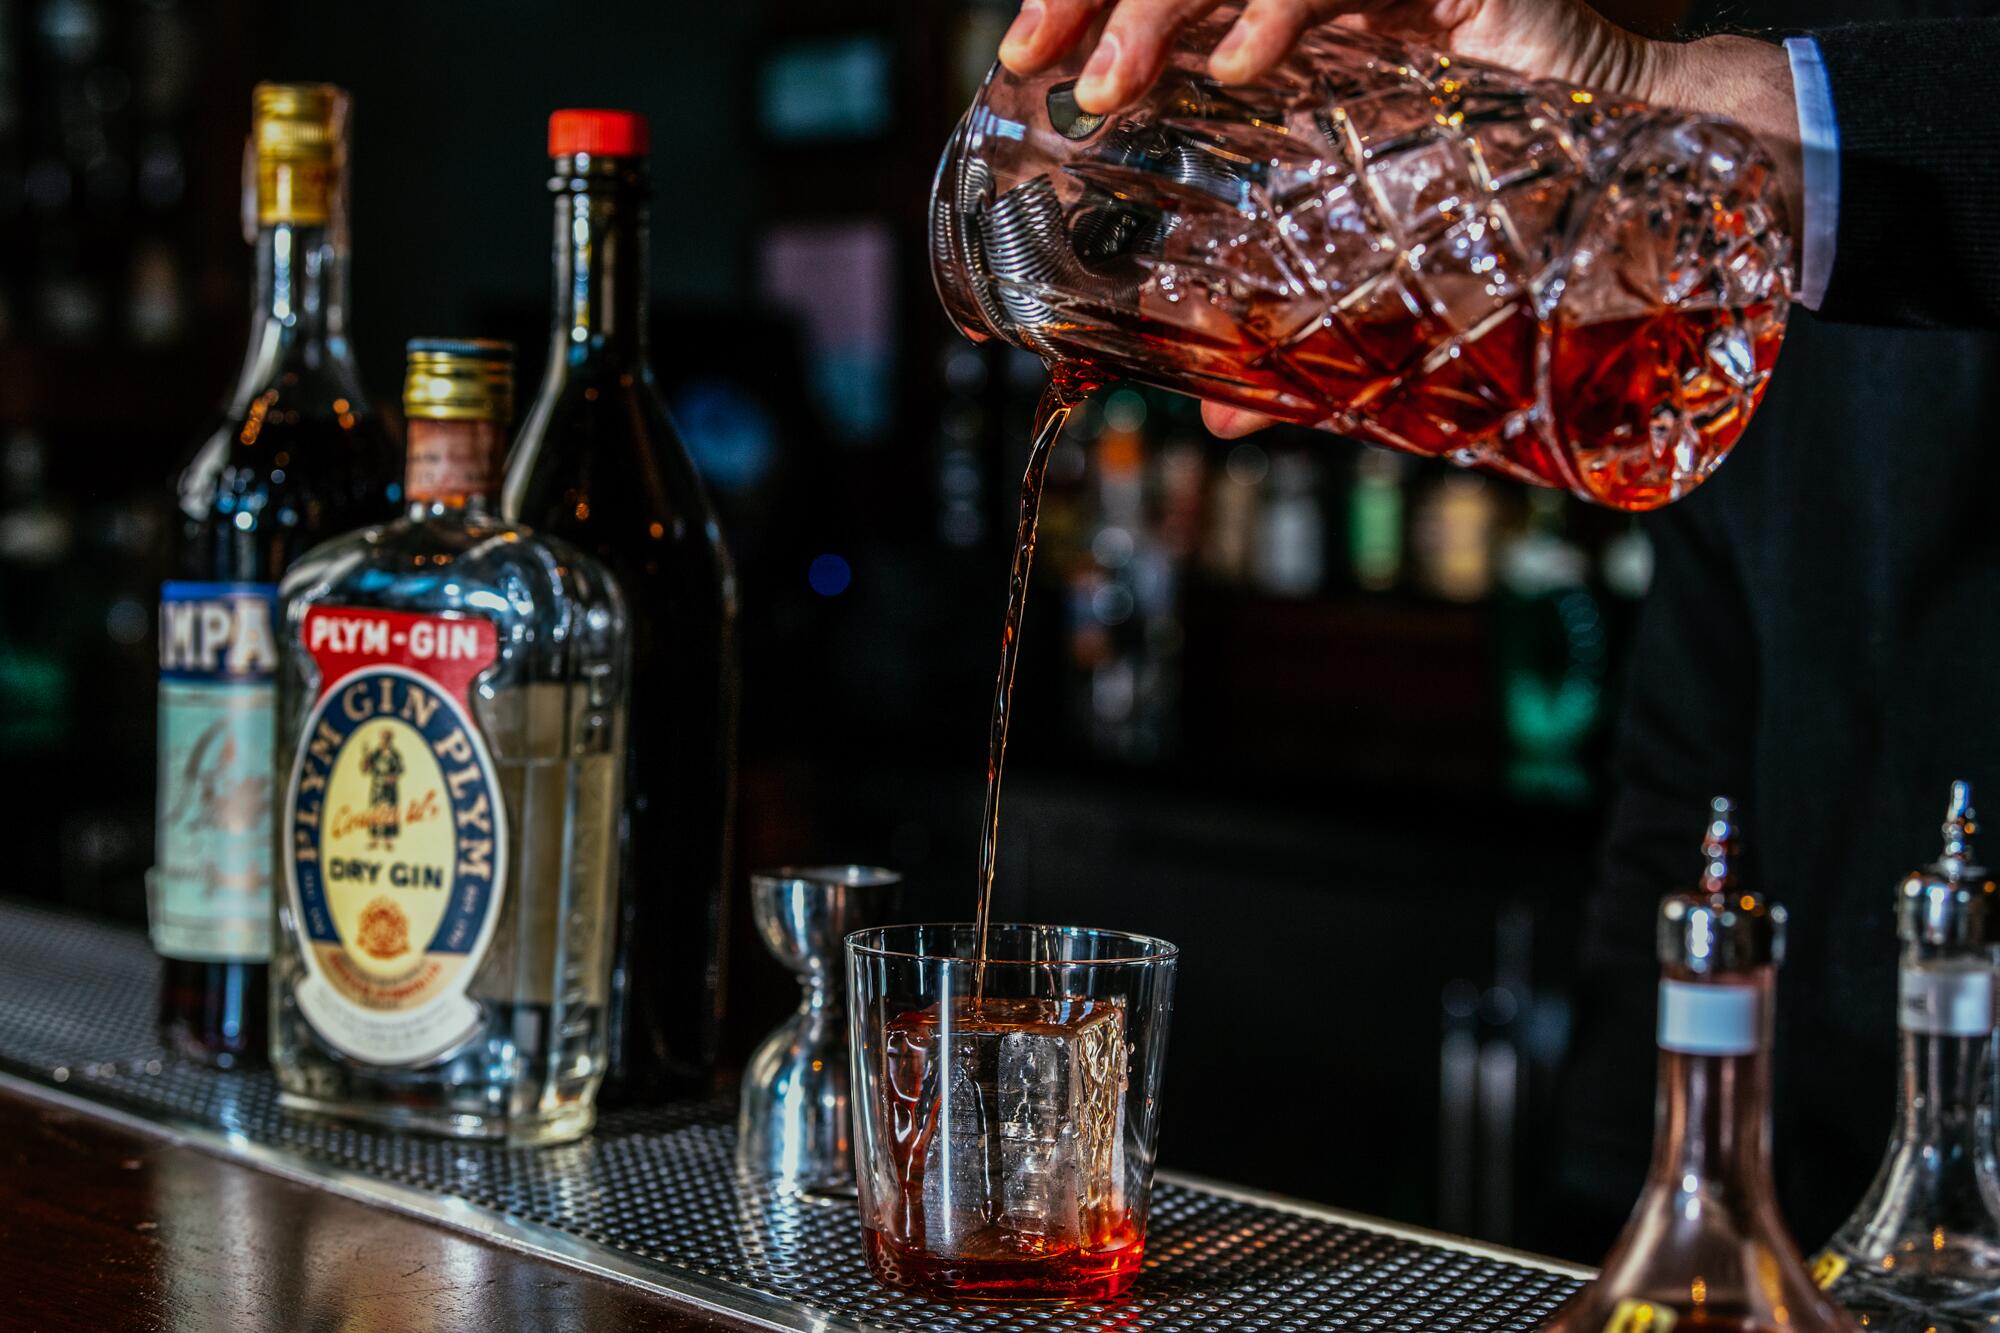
{"x":793,"y":1124}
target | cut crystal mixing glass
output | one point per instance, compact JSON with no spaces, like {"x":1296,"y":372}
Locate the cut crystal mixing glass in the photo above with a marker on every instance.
{"x":1390,"y":243}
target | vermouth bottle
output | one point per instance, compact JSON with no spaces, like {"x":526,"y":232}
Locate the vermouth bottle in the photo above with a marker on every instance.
{"x":598,"y":463}
{"x":1705,"y":1247}
{"x":452,"y":692}
{"x":296,"y":456}
{"x":1922,"y":1251}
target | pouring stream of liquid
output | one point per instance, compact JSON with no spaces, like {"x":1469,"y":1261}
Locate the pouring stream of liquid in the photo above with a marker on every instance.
{"x":1067,"y":387}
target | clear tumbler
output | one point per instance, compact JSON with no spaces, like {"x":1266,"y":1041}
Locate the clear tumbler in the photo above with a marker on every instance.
{"x":1388,"y":242}
{"x":1005,"y":1113}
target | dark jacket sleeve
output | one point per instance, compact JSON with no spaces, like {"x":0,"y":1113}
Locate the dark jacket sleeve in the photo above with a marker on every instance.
{"x":1919,"y":231}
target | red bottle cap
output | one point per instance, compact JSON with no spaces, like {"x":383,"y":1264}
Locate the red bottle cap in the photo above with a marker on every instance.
{"x":611,"y":133}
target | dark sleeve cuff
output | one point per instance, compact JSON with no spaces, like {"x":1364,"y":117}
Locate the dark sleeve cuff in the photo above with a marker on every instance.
{"x":1919,"y":228}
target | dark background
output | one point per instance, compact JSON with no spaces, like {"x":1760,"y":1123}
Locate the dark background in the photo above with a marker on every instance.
{"x":1322,"y":767}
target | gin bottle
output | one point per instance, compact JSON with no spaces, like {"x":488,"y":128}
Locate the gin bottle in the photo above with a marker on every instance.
{"x":452,"y":690}
{"x":1922,"y":1251}
{"x":296,"y":456}
{"x":1705,"y":1247}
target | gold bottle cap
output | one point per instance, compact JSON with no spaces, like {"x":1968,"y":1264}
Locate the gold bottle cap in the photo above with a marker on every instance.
{"x":298,"y":120}
{"x":299,"y":133}
{"x":459,"y":379}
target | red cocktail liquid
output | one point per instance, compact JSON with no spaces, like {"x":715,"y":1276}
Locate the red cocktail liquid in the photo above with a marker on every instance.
{"x":1001,"y":1247}
{"x":1019,"y":1267}
{"x":1397,"y":378}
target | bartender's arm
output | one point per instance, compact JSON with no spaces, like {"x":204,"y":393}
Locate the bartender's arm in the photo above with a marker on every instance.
{"x":1892,"y":179}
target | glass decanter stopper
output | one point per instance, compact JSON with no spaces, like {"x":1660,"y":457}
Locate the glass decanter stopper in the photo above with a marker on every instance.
{"x":1705,"y":1247}
{"x":1922,"y":1250}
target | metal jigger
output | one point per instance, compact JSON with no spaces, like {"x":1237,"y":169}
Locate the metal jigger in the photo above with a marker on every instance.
{"x":793,"y":1124}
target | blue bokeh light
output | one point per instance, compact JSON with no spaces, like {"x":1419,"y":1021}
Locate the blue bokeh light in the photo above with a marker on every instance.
{"x":829,"y":575}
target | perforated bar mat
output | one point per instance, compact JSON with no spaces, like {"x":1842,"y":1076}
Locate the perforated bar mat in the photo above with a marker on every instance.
{"x":653,"y":1197}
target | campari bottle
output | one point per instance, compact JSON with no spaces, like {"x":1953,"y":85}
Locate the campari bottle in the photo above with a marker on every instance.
{"x":296,"y":456}
{"x":452,"y":694}
{"x":1705,"y":1247}
{"x":1922,"y":1251}
{"x":599,"y":464}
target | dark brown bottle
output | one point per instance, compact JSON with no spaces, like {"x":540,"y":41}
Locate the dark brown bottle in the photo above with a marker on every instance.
{"x":296,"y":457}
{"x":598,"y":464}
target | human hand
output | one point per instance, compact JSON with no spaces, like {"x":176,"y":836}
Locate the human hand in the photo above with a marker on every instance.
{"x":1557,"y":39}
{"x":1740,"y":77}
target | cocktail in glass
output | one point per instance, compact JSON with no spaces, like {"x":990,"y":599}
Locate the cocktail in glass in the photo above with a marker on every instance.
{"x":1006,"y":1115}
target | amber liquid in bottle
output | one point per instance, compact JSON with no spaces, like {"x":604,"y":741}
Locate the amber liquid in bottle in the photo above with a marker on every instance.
{"x":297,"y":456}
{"x":598,"y":464}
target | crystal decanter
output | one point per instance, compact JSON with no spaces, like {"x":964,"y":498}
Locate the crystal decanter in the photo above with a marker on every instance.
{"x":1921,"y":1254}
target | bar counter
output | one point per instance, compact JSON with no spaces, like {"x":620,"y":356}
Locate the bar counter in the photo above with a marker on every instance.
{"x":145,"y":1193}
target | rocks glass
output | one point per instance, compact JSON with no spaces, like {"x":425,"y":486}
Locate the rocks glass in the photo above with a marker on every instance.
{"x":1005,"y":1113}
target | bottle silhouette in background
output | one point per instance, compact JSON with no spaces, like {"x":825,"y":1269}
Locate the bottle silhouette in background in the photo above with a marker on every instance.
{"x":598,"y":464}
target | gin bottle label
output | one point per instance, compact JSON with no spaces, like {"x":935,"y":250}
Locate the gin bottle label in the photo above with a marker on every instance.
{"x":395,"y":833}
{"x":210,"y":890}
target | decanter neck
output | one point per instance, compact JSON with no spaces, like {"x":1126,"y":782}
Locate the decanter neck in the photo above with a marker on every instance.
{"x":1939,"y":1090}
{"x":1713,"y":1130}
{"x":1714,"y":1123}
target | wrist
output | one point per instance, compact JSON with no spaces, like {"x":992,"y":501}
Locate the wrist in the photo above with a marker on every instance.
{"x":1745,"y":79}
{"x":1617,"y":60}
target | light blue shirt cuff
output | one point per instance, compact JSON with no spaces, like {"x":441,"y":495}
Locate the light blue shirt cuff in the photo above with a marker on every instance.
{"x":1819,"y":136}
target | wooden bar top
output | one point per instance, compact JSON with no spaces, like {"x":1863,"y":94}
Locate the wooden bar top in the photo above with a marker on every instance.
{"x":104,"y":1227}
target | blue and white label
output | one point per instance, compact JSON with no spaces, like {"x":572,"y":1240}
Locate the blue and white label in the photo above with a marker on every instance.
{"x":1710,"y":1018}
{"x":210,"y":890}
{"x":1946,"y":999}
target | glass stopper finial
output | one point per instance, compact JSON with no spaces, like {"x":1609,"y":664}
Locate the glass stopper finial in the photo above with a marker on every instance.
{"x":1719,"y":847}
{"x":1960,"y":823}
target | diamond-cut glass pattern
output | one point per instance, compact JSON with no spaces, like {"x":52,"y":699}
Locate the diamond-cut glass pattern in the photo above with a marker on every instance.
{"x":1422,"y":251}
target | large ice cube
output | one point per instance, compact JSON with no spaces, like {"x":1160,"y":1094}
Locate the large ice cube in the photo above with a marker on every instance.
{"x":1026,"y":1105}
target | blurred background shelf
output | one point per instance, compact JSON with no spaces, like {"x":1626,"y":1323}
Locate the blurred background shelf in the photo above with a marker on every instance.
{"x":93,"y":390}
